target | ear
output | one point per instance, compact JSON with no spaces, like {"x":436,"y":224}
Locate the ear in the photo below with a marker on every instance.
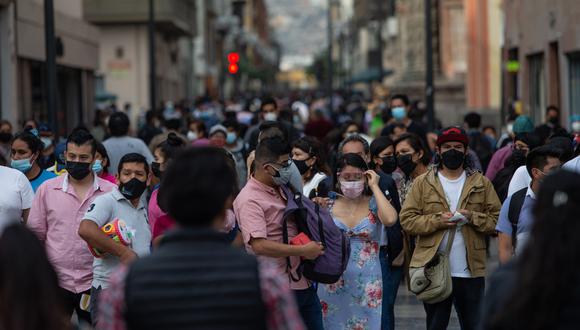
{"x":421,"y":153}
{"x":378,"y":160}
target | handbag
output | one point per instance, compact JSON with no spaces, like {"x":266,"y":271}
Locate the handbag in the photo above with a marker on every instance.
{"x":432,"y":282}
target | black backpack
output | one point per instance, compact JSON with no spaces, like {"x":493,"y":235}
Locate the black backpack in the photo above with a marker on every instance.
{"x":515,"y":209}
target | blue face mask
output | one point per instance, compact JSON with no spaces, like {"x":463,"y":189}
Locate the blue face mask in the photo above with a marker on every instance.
{"x":231,"y":138}
{"x":23,"y":165}
{"x":97,"y":166}
{"x":399,"y":113}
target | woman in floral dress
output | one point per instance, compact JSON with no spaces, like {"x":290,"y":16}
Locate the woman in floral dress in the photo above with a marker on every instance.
{"x":361,"y":210}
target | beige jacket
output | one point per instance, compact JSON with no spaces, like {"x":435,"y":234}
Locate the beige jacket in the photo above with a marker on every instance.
{"x":421,"y":217}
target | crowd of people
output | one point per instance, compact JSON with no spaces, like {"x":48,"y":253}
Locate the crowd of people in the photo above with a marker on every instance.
{"x":188,"y":225}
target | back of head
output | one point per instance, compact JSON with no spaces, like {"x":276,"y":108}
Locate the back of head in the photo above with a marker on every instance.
{"x":173,"y":124}
{"x":269,"y":150}
{"x":271,"y":129}
{"x":171,"y":146}
{"x":564,"y":142}
{"x":119,"y":124}
{"x":196,"y":186}
{"x":30,"y":297}
{"x":473,"y":120}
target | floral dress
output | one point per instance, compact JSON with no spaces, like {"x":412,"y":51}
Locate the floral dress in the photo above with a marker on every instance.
{"x":354,"y":302}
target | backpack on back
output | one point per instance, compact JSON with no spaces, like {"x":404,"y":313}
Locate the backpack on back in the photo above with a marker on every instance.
{"x":319,"y":226}
{"x":514,"y":211}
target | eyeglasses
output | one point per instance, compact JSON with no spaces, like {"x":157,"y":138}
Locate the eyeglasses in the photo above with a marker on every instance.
{"x":351,"y":176}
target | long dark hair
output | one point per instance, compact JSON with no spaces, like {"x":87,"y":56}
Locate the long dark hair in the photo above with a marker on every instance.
{"x":417,"y":144}
{"x":171,"y":146}
{"x":30,"y":298}
{"x":377,"y":146}
{"x":353,"y":160}
{"x":32,"y":141}
{"x":547,"y":271}
{"x":313,"y":147}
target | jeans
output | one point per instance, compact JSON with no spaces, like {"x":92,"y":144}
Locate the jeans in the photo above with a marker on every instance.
{"x":95,"y":292}
{"x":72,"y":303}
{"x":310,"y":308}
{"x":467,"y":297}
{"x":391,"y":281}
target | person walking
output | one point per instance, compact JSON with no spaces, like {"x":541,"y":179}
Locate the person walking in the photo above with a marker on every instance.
{"x":259,"y":209}
{"x":448,"y":192}
{"x":57,"y":210}
{"x":361,"y":210}
{"x":308,"y":156}
{"x":413,"y":159}
{"x":24,"y":155}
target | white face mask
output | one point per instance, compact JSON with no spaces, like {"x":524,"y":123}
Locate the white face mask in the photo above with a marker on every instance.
{"x":510,"y":128}
{"x":192,"y":136}
{"x":576,"y":127}
{"x":270,"y":116}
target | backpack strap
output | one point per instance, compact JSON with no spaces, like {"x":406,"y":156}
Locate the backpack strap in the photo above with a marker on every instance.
{"x":285,"y":241}
{"x":516,"y":203}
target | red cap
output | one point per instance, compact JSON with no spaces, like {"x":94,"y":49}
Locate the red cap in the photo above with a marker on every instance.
{"x":453,"y":134}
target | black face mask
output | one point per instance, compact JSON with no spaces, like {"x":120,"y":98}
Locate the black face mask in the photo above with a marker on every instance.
{"x":554,"y":120}
{"x":301,"y":165}
{"x":133,"y":188}
{"x":389,"y":164}
{"x":519,"y":157}
{"x":5,"y":137}
{"x":156,"y":169}
{"x":406,"y":164}
{"x":78,"y":170}
{"x":453,"y":159}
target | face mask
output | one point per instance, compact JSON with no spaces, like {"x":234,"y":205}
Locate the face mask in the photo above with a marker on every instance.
{"x":46,"y":141}
{"x":23,"y":165}
{"x":399,"y":113}
{"x":576,"y":127}
{"x":97,"y":166}
{"x":453,"y":159}
{"x":406,"y":164}
{"x":554,"y":120}
{"x":133,"y":188}
{"x":191,"y":136}
{"x":5,"y":137}
{"x":156,"y":169}
{"x":231,"y":138}
{"x":78,"y":170}
{"x":352,"y":189}
{"x":270,"y":116}
{"x":510,"y":128}
{"x":389,"y":164}
{"x":301,"y":165}
{"x":519,"y":157}
{"x":205,"y":115}
{"x":282,"y":176}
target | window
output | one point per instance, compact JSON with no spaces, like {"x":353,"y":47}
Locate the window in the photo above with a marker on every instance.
{"x":574,"y":66}
{"x":537,"y":84}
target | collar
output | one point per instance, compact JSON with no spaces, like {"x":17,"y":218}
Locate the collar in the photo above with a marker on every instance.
{"x":530,"y":193}
{"x":65,"y":184}
{"x":119,"y":197}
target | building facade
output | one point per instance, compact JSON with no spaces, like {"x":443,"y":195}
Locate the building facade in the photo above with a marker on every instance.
{"x":542,"y":56}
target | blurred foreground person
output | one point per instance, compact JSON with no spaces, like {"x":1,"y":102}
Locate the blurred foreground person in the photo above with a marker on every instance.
{"x":195,"y":279}
{"x":540,"y":289}
{"x":29,"y":292}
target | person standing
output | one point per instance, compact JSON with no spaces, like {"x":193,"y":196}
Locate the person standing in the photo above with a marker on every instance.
{"x":101,"y":164}
{"x":308,"y":156}
{"x":25,"y":153}
{"x":361,"y":210}
{"x":235,"y":145}
{"x":413,"y":159}
{"x":57,"y":210}
{"x":127,"y":203}
{"x":259,"y":209}
{"x":400,"y":108}
{"x":540,"y":162}
{"x":478,"y":142}
{"x":446,"y":192}
{"x":120,"y":143}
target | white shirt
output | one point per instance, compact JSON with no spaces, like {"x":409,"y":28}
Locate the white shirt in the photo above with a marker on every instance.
{"x":16,"y":195}
{"x":520,"y":180}
{"x":313,"y":183}
{"x":573,"y":165}
{"x":458,"y":254}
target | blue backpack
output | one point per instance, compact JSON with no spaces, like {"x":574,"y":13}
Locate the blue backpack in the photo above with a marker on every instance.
{"x":319,"y":226}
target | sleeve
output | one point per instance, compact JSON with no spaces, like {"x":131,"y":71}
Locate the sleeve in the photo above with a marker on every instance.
{"x":252,"y":220}
{"x":503,"y":222}
{"x":37,"y":219}
{"x":486,"y":221}
{"x":520,"y":180}
{"x":281,"y":310}
{"x":413,"y":220}
{"x":100,"y":211}
{"x":26,"y":192}
{"x":111,"y":306}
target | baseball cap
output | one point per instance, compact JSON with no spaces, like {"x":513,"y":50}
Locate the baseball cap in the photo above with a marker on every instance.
{"x":452,"y":134}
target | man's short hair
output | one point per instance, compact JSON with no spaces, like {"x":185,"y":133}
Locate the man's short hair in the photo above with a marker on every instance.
{"x":81,"y":137}
{"x":119,"y":124}
{"x":538,"y":158}
{"x":403,"y":97}
{"x":269,"y":150}
{"x":473,"y":120}
{"x":133,"y":158}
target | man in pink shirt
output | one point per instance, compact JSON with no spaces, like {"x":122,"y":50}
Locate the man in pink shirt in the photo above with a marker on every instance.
{"x":259,"y":208}
{"x":57,"y":210}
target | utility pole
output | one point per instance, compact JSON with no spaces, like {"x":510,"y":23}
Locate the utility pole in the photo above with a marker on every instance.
{"x":152,"y":60}
{"x":429,"y":88}
{"x":51,"y":81}
{"x":330,"y":66}
{"x":380,"y":43}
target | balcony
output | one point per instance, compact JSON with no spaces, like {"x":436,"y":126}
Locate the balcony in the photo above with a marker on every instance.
{"x":176,"y":17}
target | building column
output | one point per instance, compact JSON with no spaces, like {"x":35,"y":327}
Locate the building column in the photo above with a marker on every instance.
{"x":8,"y":66}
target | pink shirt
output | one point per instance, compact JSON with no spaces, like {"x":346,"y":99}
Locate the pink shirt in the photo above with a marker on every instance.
{"x":160,"y":221}
{"x":108,"y":177}
{"x":55,"y":217}
{"x":497,"y":162}
{"x":260,"y":210}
